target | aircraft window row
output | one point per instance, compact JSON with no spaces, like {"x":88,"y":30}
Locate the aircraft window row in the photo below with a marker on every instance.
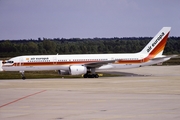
{"x":78,"y":60}
{"x":83,"y":60}
{"x":89,"y":59}
{"x":126,"y":58}
{"x":62,"y":60}
{"x":40,"y":61}
{"x":130,"y":59}
{"x":99,"y":59}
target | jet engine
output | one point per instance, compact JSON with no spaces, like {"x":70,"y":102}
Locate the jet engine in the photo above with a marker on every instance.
{"x":77,"y":70}
{"x":74,"y":70}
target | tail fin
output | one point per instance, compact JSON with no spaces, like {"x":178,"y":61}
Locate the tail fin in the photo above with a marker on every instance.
{"x":156,"y":46}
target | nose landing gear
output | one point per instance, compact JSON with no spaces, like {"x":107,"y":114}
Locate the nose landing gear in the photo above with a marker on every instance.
{"x":22,"y":75}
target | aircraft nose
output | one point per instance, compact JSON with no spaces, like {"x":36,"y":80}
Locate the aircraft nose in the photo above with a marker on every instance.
{"x":1,"y":62}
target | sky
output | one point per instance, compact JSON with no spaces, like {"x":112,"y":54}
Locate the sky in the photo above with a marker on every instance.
{"x":33,"y":19}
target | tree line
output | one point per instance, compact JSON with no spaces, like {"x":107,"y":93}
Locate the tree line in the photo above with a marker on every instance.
{"x":11,"y":48}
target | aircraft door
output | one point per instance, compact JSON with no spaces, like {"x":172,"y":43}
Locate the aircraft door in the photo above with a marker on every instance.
{"x":142,"y":58}
{"x":54,"y":60}
{"x":21,"y":61}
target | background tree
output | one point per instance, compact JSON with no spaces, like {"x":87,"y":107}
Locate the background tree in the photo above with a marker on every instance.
{"x":11,"y":48}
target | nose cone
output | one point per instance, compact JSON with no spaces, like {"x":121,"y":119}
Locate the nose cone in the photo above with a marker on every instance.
{"x":1,"y":65}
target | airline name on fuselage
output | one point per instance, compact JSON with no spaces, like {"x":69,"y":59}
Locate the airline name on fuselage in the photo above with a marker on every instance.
{"x":155,"y":42}
{"x":40,"y":58}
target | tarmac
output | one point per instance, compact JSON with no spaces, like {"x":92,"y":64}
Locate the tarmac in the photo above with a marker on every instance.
{"x":147,"y":93}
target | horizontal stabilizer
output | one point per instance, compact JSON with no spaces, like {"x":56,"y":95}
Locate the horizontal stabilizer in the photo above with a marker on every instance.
{"x":167,"y":56}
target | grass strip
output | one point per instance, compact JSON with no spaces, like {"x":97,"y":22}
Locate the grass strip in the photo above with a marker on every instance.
{"x":42,"y":74}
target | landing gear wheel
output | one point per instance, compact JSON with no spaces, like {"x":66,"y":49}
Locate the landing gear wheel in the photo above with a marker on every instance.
{"x":22,"y":74}
{"x":23,"y":77}
{"x":90,"y":75}
{"x":96,"y":75}
{"x":85,"y":75}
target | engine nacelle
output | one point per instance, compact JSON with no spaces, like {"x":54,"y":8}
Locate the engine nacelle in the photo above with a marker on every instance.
{"x":77,"y":70}
{"x":63,"y":72}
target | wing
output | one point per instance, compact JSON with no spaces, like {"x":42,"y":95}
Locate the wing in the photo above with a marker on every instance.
{"x":99,"y":63}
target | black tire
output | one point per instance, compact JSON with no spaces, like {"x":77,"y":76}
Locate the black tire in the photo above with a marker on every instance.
{"x":93,"y":76}
{"x":23,"y":78}
{"x":96,"y":75}
{"x":85,"y":76}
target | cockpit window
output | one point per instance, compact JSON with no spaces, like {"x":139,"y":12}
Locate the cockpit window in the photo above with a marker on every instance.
{"x":7,"y":62}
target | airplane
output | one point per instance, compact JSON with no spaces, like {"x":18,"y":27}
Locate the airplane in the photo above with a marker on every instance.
{"x":88,"y":64}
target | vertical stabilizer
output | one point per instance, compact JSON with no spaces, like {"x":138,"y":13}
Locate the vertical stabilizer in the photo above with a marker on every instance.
{"x":156,"y":46}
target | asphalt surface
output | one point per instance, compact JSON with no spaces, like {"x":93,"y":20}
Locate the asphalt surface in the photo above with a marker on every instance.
{"x":147,"y":93}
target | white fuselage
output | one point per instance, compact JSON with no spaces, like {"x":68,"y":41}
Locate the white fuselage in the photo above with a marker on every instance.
{"x":62,"y":62}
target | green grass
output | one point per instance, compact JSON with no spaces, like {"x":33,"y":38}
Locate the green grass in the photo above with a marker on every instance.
{"x":41,"y":74}
{"x":172,"y":61}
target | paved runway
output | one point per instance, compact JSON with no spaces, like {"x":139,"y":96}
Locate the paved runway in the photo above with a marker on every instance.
{"x":155,"y":96}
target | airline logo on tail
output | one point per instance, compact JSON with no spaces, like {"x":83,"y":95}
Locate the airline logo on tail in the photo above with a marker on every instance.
{"x":155,"y":42}
{"x":156,"y":46}
{"x":162,"y":34}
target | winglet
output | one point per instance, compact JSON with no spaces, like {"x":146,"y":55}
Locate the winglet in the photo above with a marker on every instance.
{"x":156,"y":46}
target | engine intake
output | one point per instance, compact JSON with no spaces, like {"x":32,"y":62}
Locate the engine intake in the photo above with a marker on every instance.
{"x":77,"y":70}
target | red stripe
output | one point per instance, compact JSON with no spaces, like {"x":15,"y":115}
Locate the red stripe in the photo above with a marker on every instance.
{"x":21,"y":99}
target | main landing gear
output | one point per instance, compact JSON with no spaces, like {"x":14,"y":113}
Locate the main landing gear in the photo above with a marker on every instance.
{"x":91,"y":73}
{"x":22,"y":74}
